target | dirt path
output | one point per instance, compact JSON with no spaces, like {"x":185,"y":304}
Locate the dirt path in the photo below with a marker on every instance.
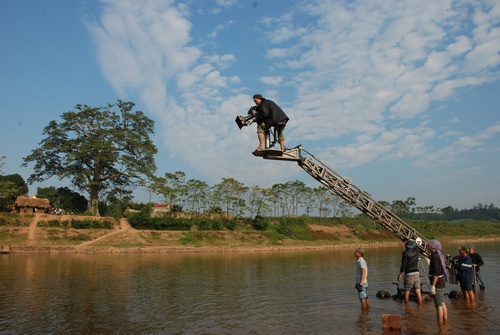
{"x":32,"y":228}
{"x":123,"y":228}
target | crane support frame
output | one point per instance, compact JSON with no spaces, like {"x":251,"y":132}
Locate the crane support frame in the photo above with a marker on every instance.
{"x":355,"y":196}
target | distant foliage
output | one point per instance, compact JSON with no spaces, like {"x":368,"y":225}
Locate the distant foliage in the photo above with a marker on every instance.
{"x":261,"y":223}
{"x":141,"y":221}
{"x":478,"y":212}
{"x":91,"y":224}
{"x":167,"y":222}
{"x":295,"y":228}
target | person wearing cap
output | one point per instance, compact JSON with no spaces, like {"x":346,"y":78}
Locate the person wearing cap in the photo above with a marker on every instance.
{"x":464,"y":266}
{"x":268,"y":115}
{"x":409,"y":268}
{"x":362,"y":278}
{"x":477,"y":262}
{"x":438,"y":277}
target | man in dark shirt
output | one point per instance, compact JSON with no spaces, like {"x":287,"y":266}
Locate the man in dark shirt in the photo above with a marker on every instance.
{"x":437,"y":277}
{"x":477,"y":262}
{"x":464,"y":267}
{"x":409,"y":268}
{"x":268,"y":115}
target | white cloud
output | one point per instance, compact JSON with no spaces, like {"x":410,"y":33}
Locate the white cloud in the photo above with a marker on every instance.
{"x":357,"y":80}
{"x":456,"y":151}
{"x":272,"y":80}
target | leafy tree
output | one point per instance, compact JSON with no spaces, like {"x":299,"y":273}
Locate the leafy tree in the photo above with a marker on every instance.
{"x":173,"y":187}
{"x":230,"y":192}
{"x":323,"y":199}
{"x":308,"y":200}
{"x":18,"y":181}
{"x":403,"y":208}
{"x":63,"y":198}
{"x":197,"y":193}
{"x":344,"y":209}
{"x":8,"y":191}
{"x":295,"y":194}
{"x":117,"y":201}
{"x":277,"y":198}
{"x":97,"y":148}
{"x":258,"y":201}
{"x":11,"y":186}
{"x":447,"y":210}
{"x":154,"y":186}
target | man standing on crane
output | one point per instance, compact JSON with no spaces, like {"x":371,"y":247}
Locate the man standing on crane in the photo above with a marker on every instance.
{"x":268,"y":115}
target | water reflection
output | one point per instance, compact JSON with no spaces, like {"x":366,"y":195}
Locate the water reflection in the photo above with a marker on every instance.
{"x":254,"y":293}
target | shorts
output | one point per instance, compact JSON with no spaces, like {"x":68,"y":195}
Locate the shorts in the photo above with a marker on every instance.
{"x":363,"y":294}
{"x":466,"y":286}
{"x":266,"y":125}
{"x":439,"y":297}
{"x":412,"y":281}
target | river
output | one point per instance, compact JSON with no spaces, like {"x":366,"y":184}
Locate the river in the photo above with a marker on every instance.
{"x":292,"y":292}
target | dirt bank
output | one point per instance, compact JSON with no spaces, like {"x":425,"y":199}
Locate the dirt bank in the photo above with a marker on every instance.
{"x":28,"y":237}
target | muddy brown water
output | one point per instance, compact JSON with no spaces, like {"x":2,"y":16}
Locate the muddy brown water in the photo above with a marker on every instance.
{"x":283,"y":292}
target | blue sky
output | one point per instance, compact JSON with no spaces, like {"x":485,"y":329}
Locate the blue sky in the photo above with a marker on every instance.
{"x":399,"y":96}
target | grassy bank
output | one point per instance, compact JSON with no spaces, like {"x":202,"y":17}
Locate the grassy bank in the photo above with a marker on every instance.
{"x":29,"y":232}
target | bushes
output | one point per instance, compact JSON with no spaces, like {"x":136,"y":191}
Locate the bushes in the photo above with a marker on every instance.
{"x":261,"y":223}
{"x":142,"y":221}
{"x":91,"y":224}
{"x":296,"y":228}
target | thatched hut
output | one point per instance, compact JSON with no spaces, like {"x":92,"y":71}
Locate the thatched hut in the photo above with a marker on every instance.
{"x":31,"y":205}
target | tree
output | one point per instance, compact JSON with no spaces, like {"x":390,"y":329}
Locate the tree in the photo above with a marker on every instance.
{"x":63,"y":198}
{"x":229,"y":193}
{"x":295,"y":195}
{"x":11,"y":186}
{"x":97,"y":148}
{"x":174,"y":187}
{"x":258,"y":201}
{"x":197,"y":192}
{"x":323,"y":199}
{"x":447,"y":210}
{"x":18,"y":181}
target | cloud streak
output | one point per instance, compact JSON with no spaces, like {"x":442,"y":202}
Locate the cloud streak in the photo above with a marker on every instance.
{"x":357,"y":79}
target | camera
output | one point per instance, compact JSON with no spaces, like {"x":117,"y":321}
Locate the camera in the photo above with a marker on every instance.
{"x":242,"y":121}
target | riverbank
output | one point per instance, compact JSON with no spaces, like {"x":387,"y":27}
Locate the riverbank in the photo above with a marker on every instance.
{"x":29,"y":234}
{"x":222,"y":249}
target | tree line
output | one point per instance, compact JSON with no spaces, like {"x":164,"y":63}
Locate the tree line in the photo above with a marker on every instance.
{"x":107,"y":151}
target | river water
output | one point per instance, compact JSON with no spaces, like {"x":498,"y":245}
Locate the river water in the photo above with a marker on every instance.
{"x":292,"y":292}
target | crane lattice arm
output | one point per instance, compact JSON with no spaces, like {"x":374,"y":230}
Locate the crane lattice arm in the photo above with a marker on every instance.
{"x":353,"y":195}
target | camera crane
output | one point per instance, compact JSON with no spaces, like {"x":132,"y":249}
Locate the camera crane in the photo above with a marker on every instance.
{"x":341,"y":186}
{"x":350,"y":193}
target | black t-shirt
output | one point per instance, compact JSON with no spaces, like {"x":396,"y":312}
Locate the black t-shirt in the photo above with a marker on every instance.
{"x":436,"y":269}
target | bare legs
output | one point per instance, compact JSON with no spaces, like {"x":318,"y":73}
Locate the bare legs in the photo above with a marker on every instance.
{"x":365,"y":303}
{"x":419,"y":297}
{"x":442,"y":313}
{"x":261,"y":137}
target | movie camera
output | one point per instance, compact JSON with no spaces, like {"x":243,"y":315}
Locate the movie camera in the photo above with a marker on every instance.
{"x":242,"y":121}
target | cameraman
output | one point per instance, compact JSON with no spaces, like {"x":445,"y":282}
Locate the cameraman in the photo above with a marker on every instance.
{"x":269,"y":114}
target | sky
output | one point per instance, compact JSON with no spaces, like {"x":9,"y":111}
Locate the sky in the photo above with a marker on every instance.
{"x":401,"y":97}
